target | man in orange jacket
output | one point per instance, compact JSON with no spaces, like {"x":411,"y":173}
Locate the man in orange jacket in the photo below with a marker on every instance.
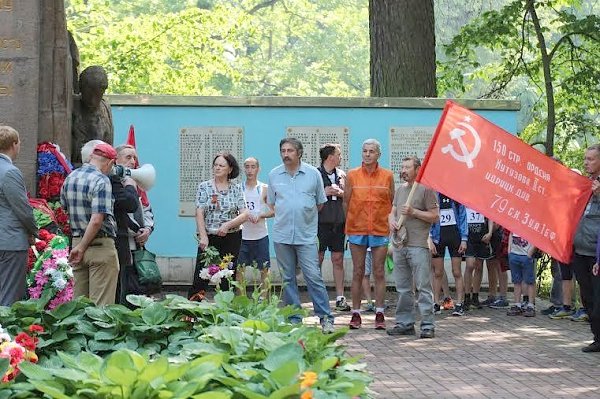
{"x":368,"y":201}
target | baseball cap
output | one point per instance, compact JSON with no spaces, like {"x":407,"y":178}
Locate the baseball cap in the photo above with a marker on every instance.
{"x":105,"y":150}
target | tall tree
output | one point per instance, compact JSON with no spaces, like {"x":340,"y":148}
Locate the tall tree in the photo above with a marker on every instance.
{"x":402,"y":34}
{"x":545,"y":49}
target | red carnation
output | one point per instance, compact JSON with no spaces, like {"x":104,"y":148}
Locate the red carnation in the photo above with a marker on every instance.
{"x":26,"y":341}
{"x":45,"y":235}
{"x":31,"y":258}
{"x":40,"y":245}
{"x":36,"y":328}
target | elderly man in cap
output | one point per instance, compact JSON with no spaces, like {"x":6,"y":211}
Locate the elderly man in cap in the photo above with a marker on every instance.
{"x":87,"y":197}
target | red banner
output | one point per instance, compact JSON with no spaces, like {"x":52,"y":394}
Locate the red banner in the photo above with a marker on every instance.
{"x":495,"y":173}
{"x":131,"y":142}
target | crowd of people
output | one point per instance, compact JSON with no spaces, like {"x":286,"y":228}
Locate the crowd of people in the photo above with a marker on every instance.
{"x":315,"y":209}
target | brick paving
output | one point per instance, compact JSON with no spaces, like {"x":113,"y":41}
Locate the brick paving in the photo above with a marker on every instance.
{"x":485,"y":354}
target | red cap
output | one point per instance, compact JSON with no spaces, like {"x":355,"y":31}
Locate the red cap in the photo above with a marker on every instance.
{"x":105,"y":150}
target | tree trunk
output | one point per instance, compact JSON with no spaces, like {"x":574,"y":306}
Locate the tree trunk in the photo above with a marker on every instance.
{"x":548,"y":86}
{"x":402,"y":36}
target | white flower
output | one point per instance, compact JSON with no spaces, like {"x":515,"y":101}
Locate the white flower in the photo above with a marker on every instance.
{"x":69,"y":272}
{"x":204,"y":274}
{"x":4,"y":337}
{"x":216,"y":278}
{"x":59,"y":283}
{"x":62,"y":261}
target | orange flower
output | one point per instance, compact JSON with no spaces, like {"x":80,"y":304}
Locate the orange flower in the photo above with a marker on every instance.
{"x":308,"y":379}
{"x":306,"y":395}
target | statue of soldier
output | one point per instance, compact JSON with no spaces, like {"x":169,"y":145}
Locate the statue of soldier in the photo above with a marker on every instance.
{"x":92,"y":117}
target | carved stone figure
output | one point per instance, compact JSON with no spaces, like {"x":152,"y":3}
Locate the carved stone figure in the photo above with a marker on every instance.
{"x":92,"y":116}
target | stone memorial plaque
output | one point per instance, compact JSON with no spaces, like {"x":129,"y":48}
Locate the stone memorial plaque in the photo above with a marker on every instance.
{"x":19,"y":77}
{"x":407,"y":141}
{"x":197,"y":148}
{"x":313,"y":137}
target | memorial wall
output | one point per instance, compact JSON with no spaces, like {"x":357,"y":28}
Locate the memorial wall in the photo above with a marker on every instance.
{"x":181,"y":135}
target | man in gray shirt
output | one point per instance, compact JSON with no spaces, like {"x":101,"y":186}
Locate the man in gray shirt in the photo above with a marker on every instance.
{"x":412,"y":259}
{"x":18,"y":225}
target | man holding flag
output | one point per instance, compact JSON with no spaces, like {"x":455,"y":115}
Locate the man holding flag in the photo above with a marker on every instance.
{"x":417,"y":208}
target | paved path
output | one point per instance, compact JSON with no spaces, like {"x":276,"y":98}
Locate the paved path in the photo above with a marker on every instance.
{"x":485,"y":354}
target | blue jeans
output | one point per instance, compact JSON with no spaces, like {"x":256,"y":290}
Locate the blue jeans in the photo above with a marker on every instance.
{"x":306,"y":256}
{"x":413,"y":263}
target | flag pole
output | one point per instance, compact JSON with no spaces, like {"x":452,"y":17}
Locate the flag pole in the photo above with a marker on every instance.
{"x":396,"y":237}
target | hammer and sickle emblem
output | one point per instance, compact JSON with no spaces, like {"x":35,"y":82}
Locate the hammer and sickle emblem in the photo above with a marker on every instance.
{"x":466,"y":156}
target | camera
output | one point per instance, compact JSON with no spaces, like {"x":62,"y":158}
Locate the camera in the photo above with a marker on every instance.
{"x":120,"y":171}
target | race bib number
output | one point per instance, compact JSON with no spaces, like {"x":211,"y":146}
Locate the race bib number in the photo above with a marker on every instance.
{"x":474,"y":217}
{"x":447,"y":217}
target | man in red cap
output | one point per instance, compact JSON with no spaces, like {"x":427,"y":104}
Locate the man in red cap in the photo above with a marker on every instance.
{"x":88,"y":199}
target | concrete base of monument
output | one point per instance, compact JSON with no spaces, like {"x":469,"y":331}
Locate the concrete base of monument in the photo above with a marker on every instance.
{"x":179,"y":272}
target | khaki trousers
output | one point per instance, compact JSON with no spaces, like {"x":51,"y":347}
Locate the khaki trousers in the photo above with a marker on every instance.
{"x":98,"y":273}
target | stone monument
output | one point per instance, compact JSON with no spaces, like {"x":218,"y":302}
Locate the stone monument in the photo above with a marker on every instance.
{"x":35,"y":77}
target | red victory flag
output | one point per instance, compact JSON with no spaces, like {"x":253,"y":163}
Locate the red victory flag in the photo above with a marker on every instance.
{"x":495,"y":173}
{"x":131,"y":142}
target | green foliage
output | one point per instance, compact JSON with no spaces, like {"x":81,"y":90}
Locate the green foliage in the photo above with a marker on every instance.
{"x":235,"y":347}
{"x":497,"y":55}
{"x":225,"y":47}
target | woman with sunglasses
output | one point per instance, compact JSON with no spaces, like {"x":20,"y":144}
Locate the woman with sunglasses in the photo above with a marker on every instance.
{"x":220,"y":212}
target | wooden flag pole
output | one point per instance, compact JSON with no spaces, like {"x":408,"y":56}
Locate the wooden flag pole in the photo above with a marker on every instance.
{"x":396,"y":239}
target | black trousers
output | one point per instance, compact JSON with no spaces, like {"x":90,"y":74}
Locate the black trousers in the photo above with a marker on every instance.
{"x":582,"y":267}
{"x":594,"y":313}
{"x":229,"y":244}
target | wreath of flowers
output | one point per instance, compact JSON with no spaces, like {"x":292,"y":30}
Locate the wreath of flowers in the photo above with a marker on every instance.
{"x":22,"y":349}
{"x":51,"y":278}
{"x":216,"y":268}
{"x":53,"y":168}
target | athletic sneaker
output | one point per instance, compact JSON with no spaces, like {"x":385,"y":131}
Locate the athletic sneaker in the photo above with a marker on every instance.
{"x":448,"y":304}
{"x":428,"y":333}
{"x":327,"y":326}
{"x":562,"y":313}
{"x":341,"y":305}
{"x":475,"y":303}
{"x":370,"y":307}
{"x":515,"y":310}
{"x":580,"y":315}
{"x":499,"y":303}
{"x":529,"y":311}
{"x":397,"y":330}
{"x":437,"y":309}
{"x":379,"y":321}
{"x":458,"y":310}
{"x":550,"y":310}
{"x":467,"y":304}
{"x":355,"y":322}
{"x":488,"y":301}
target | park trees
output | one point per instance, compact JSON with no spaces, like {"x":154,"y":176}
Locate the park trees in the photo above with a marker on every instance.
{"x":543,"y":52}
{"x":225,"y":47}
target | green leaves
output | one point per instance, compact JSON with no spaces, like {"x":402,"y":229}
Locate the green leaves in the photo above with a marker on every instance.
{"x":225,"y":48}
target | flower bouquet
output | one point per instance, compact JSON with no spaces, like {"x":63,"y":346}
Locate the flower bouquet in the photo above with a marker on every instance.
{"x":53,"y":167}
{"x":51,"y":278}
{"x":12,"y":353}
{"x":216,"y":268}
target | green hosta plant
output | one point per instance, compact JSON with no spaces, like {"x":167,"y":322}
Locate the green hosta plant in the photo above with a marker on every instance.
{"x":236,"y":347}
